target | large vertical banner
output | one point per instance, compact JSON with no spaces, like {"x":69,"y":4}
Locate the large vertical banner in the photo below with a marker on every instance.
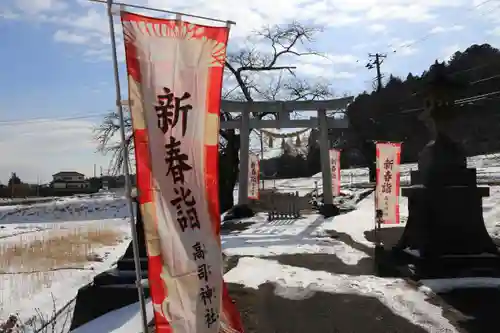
{"x":388,"y":177}
{"x":253,"y":176}
{"x":334,"y":155}
{"x":175,"y":78}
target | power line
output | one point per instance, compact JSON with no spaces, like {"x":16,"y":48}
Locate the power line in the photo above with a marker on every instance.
{"x":458,"y":102}
{"x":45,"y":120}
{"x":431,"y":33}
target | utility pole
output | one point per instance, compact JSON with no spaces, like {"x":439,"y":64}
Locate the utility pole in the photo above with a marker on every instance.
{"x":378,"y":59}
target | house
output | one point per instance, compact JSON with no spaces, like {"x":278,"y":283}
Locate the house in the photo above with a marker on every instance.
{"x":69,"y":180}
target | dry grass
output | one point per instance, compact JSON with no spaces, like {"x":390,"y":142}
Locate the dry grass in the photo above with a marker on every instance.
{"x":47,"y":257}
{"x":51,"y":250}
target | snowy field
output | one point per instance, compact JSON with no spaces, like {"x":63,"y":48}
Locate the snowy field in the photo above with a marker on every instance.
{"x":49,"y":250}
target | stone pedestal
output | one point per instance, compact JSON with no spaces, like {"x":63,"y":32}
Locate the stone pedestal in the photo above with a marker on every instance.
{"x":445,"y":220}
{"x":445,"y":234}
{"x":329,"y":210}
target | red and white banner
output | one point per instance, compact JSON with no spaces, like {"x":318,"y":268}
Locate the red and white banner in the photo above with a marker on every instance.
{"x":175,"y":73}
{"x":388,"y":177}
{"x":253,"y":176}
{"x":335,"y":170}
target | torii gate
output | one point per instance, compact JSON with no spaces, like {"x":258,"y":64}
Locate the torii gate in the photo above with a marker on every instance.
{"x":283,"y":109}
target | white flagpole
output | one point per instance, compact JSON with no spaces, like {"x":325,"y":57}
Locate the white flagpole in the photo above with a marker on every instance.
{"x":126,"y":171}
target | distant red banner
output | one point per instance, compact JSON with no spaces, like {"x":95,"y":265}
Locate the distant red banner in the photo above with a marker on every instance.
{"x":175,"y":71}
{"x":388,"y":179}
{"x":334,"y":155}
{"x":253,"y":176}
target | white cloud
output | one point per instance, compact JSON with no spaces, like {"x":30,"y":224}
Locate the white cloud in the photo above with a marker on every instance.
{"x":440,"y":29}
{"x":8,"y":14}
{"x":40,"y":6}
{"x":64,"y":36}
{"x":328,"y":59}
{"x":410,"y":13}
{"x":343,"y":75}
{"x":495,"y":31}
{"x":377,"y":28}
{"x":403,"y":47}
{"x":43,"y":147}
{"x":90,"y":20}
{"x":322,"y":72}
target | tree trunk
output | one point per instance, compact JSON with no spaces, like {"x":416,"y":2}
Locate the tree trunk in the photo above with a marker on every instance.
{"x":228,"y":171}
{"x":369,"y":152}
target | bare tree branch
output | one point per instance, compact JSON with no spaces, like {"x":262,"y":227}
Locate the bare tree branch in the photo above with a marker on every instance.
{"x":248,"y":66}
{"x":105,"y":135}
{"x":284,"y":41}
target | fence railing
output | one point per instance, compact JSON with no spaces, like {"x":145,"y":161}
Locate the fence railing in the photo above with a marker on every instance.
{"x":284,"y":206}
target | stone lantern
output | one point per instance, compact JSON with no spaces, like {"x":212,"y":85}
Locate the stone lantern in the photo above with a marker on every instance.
{"x":445,"y":233}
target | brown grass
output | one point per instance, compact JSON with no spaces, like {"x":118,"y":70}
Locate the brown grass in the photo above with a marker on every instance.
{"x":66,"y":248}
{"x":45,"y":257}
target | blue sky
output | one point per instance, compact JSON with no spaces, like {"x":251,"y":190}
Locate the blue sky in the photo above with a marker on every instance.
{"x":56,"y":76}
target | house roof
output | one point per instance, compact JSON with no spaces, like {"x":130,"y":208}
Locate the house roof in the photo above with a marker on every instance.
{"x":68,"y":173}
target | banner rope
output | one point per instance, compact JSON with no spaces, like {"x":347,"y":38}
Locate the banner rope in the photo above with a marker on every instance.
{"x":284,"y":135}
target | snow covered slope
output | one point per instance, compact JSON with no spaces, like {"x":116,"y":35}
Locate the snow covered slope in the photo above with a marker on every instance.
{"x":67,"y":209}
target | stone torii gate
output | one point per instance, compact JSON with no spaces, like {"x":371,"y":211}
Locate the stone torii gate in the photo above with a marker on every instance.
{"x":283,"y":109}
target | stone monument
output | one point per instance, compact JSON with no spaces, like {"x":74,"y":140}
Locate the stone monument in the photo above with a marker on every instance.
{"x":445,"y":233}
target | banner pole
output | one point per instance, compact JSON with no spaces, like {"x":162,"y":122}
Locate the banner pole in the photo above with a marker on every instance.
{"x":229,"y":23}
{"x":126,"y":171}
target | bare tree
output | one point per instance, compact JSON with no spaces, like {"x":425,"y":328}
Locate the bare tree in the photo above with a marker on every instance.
{"x":257,"y":74}
{"x":106,"y":134}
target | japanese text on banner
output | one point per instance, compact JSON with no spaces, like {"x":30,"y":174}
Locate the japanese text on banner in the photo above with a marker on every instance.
{"x":253,"y":177}
{"x":171,"y":109}
{"x":387,"y":189}
{"x":334,"y":155}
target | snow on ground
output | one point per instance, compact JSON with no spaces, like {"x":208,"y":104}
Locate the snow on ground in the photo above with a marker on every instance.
{"x":264,"y":239}
{"x":357,"y":222}
{"x":67,"y":209}
{"x":299,"y":283}
{"x":46,"y":289}
{"x":124,"y":320}
{"x":26,"y":290}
